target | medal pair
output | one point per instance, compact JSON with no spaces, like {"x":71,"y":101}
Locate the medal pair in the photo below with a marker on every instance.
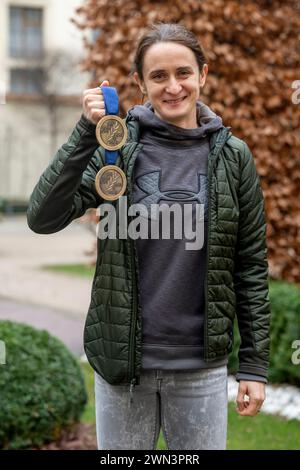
{"x":111,"y":133}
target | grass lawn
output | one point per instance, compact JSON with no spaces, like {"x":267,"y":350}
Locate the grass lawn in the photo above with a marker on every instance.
{"x":81,"y":270}
{"x":259,"y":433}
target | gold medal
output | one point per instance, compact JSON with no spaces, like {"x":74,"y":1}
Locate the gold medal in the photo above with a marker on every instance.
{"x":111,"y":132}
{"x":110,"y":182}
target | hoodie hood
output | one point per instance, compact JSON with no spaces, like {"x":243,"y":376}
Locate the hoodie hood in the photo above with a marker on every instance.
{"x":149,"y":122}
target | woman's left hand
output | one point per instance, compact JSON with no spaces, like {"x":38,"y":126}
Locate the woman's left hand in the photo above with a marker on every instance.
{"x":256,"y":394}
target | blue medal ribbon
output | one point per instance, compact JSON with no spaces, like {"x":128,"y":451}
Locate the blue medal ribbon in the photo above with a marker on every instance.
{"x":111,"y":102}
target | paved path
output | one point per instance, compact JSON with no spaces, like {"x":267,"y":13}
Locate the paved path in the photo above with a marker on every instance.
{"x":56,"y":302}
{"x":23,"y":252}
{"x":61,"y":325}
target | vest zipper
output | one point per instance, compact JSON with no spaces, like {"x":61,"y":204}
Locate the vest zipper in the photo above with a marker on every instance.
{"x":206,"y":269}
{"x":217,"y":196}
{"x":133,"y":379}
{"x":133,"y":328}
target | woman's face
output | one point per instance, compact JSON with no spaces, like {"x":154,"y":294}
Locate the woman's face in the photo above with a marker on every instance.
{"x":172,"y":82}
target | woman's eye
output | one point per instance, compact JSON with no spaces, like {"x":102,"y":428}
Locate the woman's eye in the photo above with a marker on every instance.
{"x":160,"y":76}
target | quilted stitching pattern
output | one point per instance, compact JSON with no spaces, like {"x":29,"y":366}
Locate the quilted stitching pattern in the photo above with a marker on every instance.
{"x":237,"y":257}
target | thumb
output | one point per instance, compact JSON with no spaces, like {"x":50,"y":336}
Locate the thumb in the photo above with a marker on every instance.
{"x":240,"y":396}
{"x":105,"y":83}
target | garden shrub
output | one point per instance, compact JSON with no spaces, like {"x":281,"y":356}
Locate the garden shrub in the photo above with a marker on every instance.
{"x":42,"y":389}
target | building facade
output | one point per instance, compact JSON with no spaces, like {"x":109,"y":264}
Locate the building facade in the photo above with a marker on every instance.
{"x":41,"y":83}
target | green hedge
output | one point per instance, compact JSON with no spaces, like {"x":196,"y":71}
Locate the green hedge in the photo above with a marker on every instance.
{"x":285,"y":328}
{"x":42,"y":389}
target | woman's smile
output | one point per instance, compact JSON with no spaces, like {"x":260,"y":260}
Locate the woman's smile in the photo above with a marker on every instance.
{"x":175,"y":102}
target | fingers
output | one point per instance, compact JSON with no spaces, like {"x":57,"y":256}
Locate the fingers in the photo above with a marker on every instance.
{"x":97,"y":90}
{"x":240,"y":398}
{"x":255,"y":391}
{"x":252,"y":408}
{"x":95,"y":114}
{"x":93,"y":103}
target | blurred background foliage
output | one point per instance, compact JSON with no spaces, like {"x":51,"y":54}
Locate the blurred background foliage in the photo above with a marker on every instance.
{"x":253,"y":54}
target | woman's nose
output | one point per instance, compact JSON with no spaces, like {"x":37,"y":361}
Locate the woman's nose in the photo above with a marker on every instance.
{"x":173,"y":87}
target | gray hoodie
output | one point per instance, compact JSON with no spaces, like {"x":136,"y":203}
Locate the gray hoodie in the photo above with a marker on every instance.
{"x":172,"y":168}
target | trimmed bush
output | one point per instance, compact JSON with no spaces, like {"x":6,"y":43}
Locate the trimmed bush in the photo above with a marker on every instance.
{"x":42,"y":389}
{"x":284,"y":330}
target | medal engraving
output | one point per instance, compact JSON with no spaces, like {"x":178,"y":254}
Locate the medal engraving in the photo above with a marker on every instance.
{"x":111,"y":132}
{"x":110,"y":182}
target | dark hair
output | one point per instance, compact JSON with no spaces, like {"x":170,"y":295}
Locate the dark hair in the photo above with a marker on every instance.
{"x":167,"y":32}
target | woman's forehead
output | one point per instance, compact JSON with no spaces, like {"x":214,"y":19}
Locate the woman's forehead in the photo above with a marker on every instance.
{"x":165,"y":55}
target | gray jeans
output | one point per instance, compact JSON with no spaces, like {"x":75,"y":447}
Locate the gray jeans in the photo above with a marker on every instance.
{"x":190,"y":405}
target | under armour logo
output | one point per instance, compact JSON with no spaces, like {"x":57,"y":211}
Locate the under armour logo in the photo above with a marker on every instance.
{"x":150,"y":184}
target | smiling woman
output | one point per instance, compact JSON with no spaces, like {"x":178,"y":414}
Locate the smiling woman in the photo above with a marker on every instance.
{"x":159,"y":328}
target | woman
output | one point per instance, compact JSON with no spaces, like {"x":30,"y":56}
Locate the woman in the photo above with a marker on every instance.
{"x":159,"y":327}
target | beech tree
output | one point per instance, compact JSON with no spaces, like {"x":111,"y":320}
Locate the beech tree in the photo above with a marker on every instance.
{"x":253,"y":55}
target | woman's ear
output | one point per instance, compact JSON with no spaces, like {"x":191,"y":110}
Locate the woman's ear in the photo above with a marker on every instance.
{"x":139,"y":83}
{"x":203,"y":75}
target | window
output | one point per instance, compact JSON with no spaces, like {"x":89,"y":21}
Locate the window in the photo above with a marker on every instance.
{"x":26,"y":42}
{"x":26,"y":80}
{"x":25,"y":32}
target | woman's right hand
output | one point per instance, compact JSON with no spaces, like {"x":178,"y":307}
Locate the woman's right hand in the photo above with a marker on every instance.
{"x":93,"y":103}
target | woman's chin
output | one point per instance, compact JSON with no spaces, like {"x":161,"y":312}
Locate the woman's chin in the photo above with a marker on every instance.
{"x":177,"y":110}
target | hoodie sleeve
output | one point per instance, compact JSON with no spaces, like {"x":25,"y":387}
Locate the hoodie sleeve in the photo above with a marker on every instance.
{"x":65,"y":190}
{"x":251,"y":377}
